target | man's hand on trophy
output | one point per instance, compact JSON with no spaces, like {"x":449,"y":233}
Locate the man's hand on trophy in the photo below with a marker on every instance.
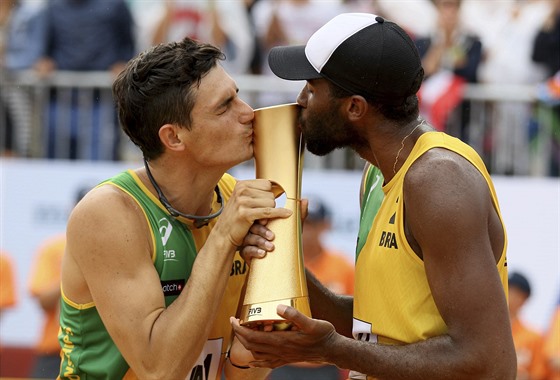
{"x":250,"y":201}
{"x":258,"y":242}
{"x":308,"y":340}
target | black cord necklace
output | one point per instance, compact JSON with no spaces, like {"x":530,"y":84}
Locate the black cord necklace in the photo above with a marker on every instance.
{"x":199,"y":221}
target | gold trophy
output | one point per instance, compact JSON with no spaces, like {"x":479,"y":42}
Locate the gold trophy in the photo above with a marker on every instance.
{"x":278,"y":278}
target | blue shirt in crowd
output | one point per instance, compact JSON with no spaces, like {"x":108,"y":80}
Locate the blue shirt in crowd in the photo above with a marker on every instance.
{"x":88,"y":34}
{"x":23,"y":37}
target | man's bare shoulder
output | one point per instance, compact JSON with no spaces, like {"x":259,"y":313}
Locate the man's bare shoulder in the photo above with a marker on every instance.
{"x":105,"y":212}
{"x":103,"y":226}
{"x":103,"y":200}
{"x":440,"y":168}
{"x":442,"y":186}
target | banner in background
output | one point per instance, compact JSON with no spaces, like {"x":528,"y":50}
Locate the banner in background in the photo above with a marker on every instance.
{"x":37,"y":196}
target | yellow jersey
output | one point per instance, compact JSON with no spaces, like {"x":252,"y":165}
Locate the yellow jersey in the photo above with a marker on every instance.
{"x":393,"y":303}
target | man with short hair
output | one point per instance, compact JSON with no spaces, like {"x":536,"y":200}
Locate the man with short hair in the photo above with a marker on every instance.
{"x":429,"y":299}
{"x":147,"y":279}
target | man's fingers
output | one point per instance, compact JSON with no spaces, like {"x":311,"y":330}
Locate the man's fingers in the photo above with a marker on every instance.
{"x":243,"y":335}
{"x":249,"y":253}
{"x":259,"y":228}
{"x":262,"y":222}
{"x":291,"y":314}
{"x":276,"y":212}
{"x":256,"y":243}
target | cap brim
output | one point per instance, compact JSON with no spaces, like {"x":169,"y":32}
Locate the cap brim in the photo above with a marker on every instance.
{"x":290,"y":62}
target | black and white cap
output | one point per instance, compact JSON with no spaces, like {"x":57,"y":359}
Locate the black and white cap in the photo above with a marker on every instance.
{"x":361,"y":53}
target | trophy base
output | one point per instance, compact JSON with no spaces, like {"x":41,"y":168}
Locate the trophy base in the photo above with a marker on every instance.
{"x":263,"y":314}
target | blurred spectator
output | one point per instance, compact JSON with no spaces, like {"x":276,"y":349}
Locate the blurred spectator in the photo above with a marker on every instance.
{"x":528,"y":342}
{"x":548,"y":94}
{"x":416,"y":17}
{"x":222,"y":23}
{"x":546,"y":50}
{"x":44,"y":287}
{"x":7,"y":283}
{"x":23,"y":29}
{"x":507,"y":30}
{"x":549,"y":91}
{"x":330,"y":267}
{"x":552,"y":345}
{"x":7,"y":290}
{"x":546,"y":47}
{"x":6,"y":123}
{"x":360,"y":6}
{"x":20,"y":32}
{"x":255,"y":62}
{"x":450,"y":57}
{"x":84,"y":35}
{"x":147,"y":15}
{"x":288,"y":22}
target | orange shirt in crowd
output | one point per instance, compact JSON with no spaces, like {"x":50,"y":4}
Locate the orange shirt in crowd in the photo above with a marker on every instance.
{"x":334,"y":271}
{"x":552,"y":347}
{"x":7,"y":282}
{"x":46,"y":274}
{"x":529,"y":344}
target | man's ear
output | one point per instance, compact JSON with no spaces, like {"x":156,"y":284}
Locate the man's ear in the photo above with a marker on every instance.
{"x":356,"y":107}
{"x":170,"y":136}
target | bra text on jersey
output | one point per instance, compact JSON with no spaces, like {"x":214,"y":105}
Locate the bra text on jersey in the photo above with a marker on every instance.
{"x":388,"y":240}
{"x":238,"y":267}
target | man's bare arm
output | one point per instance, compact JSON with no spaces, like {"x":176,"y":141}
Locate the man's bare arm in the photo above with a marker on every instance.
{"x":449,"y":217}
{"x":326,"y":305}
{"x":113,"y":252}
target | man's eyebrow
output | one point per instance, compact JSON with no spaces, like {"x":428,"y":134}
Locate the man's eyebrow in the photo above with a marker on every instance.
{"x":226,"y":101}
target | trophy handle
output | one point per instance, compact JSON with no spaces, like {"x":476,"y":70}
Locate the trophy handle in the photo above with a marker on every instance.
{"x":277,"y":189}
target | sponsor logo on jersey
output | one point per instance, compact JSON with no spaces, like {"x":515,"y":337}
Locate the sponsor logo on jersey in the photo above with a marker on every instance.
{"x":165,"y":229}
{"x":373,"y":186}
{"x":169,"y":255}
{"x":172,"y":287}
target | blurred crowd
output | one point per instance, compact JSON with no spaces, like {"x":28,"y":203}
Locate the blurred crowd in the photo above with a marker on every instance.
{"x":509,"y":42}
{"x":538,"y":352}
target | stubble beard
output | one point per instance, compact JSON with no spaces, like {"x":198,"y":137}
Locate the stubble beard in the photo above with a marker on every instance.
{"x":325,"y":132}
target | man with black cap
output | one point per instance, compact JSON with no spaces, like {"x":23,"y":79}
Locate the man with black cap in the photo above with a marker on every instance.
{"x":431,"y":272}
